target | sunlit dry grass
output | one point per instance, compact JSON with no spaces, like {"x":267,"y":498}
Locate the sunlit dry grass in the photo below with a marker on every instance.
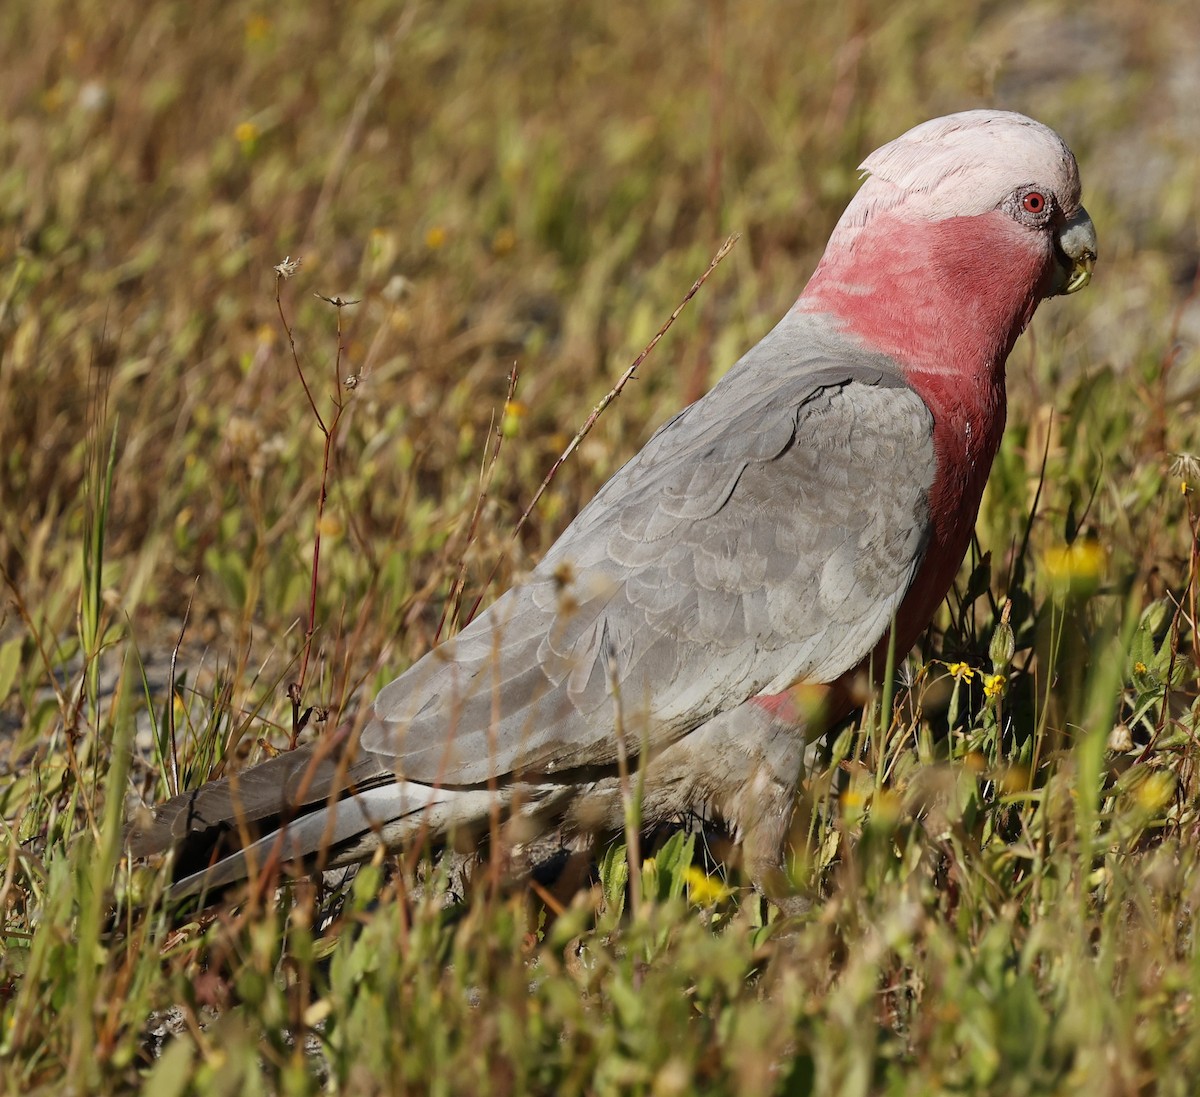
{"x":1004,"y":868}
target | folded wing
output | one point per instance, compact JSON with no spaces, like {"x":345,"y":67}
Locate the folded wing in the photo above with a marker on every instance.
{"x":765,"y":535}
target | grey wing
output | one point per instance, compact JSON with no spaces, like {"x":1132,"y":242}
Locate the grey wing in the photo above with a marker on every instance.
{"x":764,"y":536}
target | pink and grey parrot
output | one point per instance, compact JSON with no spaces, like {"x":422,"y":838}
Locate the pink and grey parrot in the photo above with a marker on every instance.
{"x":767,"y":536}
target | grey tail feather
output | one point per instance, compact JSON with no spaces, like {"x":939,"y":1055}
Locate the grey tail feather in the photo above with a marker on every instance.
{"x":281,"y":786}
{"x":329,"y":799}
{"x":204,"y":825}
{"x":344,"y":830}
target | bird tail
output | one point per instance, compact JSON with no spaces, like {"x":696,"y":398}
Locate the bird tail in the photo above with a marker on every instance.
{"x":325,"y":802}
{"x":340,"y":832}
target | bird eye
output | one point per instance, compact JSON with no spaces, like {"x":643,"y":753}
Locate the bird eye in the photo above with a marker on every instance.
{"x":1034,"y":202}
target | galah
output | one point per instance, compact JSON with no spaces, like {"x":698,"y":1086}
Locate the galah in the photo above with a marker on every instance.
{"x":770,"y":535}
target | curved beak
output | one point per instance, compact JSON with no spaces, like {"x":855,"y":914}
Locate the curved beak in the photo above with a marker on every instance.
{"x":1075,"y":246}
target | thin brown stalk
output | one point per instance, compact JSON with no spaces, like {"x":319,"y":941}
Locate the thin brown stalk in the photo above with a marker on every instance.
{"x":615,"y":391}
{"x":329,"y":434}
{"x":609,"y":397}
{"x":279,"y":278}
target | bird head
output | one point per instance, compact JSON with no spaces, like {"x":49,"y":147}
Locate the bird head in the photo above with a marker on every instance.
{"x":961,"y":226}
{"x":978,"y":162}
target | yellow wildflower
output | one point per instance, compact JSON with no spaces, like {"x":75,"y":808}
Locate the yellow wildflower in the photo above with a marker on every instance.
{"x":704,"y":890}
{"x":993,"y":685}
{"x":1014,"y":780}
{"x":964,"y":672}
{"x":1155,"y":792}
{"x":1077,"y":566}
{"x":853,"y":804}
{"x":258,"y":28}
{"x":435,"y":238}
{"x":330,"y":525}
{"x":246,"y":134}
{"x":53,"y":98}
{"x":504,"y":241}
{"x":514,"y":412}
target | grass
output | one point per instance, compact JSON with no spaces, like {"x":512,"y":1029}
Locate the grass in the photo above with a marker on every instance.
{"x":1004,"y":858}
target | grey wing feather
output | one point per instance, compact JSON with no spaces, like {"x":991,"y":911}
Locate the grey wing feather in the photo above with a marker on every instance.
{"x":751,"y":544}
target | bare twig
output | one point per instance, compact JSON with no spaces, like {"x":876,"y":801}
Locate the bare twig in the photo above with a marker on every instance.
{"x":283,"y":271}
{"x":612,"y":394}
{"x":615,"y":391}
{"x":329,"y":432}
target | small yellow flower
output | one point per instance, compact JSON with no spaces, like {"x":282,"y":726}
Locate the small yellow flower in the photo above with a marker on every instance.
{"x":975,"y":762}
{"x":435,"y":238}
{"x":504,"y":241}
{"x":1155,"y":792}
{"x":1184,"y":487}
{"x":964,"y":672}
{"x":1077,"y":565}
{"x":258,"y":28}
{"x":704,"y":890}
{"x":53,"y":98}
{"x":853,"y":805}
{"x":993,"y":685}
{"x":514,"y":412}
{"x":330,"y":525}
{"x":1014,"y":779}
{"x":246,"y":134}
{"x":1139,"y":667}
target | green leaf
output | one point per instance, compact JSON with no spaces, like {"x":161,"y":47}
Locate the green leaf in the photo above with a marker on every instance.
{"x":614,"y":876}
{"x":10,"y":664}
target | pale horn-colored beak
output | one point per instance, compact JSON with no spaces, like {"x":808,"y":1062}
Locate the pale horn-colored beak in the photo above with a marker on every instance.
{"x":1076,"y":248}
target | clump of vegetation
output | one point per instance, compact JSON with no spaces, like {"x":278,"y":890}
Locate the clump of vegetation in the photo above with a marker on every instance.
{"x":1003,"y":860}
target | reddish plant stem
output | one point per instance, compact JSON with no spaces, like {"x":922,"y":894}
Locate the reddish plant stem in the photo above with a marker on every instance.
{"x":329,"y":434}
{"x":295,"y":356}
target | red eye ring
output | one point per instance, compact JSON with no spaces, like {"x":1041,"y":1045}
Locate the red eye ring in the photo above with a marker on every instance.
{"x":1034,"y":202}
